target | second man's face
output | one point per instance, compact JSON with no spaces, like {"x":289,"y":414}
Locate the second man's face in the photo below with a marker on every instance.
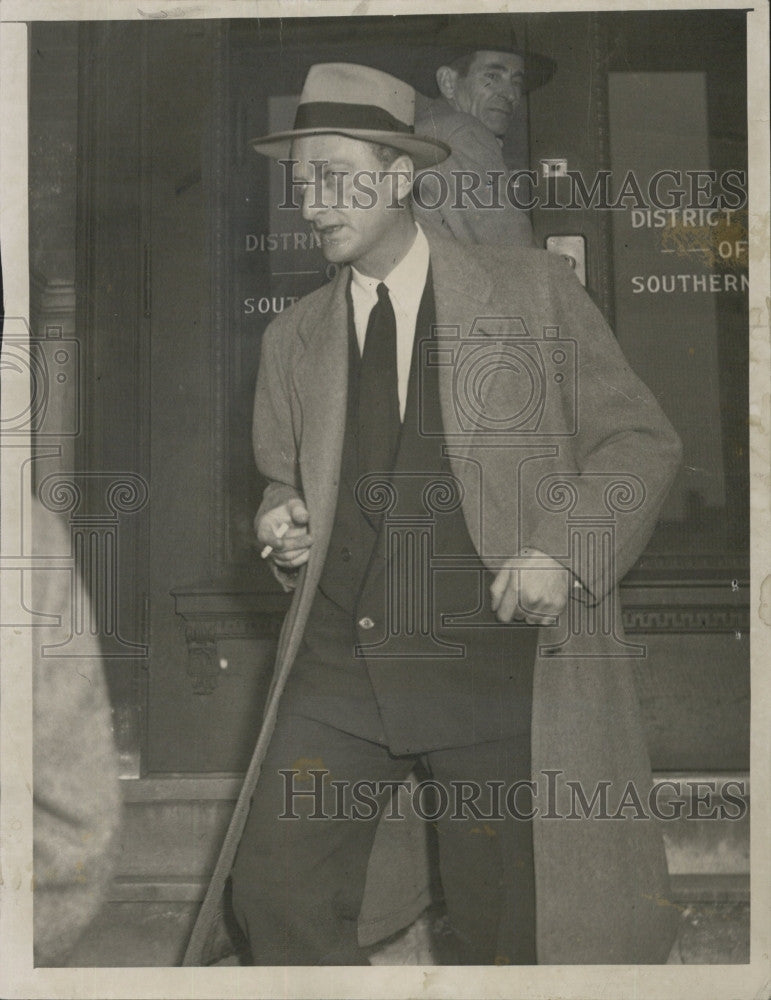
{"x":492,"y":89}
{"x":350,"y":198}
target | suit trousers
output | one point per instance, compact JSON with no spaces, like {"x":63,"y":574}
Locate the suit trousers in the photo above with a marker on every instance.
{"x":300,"y":872}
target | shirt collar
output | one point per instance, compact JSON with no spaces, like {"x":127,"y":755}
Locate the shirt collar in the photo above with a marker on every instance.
{"x":407,"y":280}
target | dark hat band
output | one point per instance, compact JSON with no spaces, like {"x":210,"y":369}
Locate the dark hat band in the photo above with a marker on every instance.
{"x":334,"y":115}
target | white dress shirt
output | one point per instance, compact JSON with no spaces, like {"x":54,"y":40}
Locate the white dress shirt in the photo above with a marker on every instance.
{"x":405,"y":289}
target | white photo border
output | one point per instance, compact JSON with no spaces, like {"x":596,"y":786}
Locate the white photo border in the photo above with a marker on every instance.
{"x":18,"y":978}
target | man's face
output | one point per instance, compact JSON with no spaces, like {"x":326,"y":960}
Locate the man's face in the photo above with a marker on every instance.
{"x":492,"y":89}
{"x":351,"y":200}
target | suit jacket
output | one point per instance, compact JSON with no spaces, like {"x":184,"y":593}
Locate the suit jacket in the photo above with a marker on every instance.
{"x":476,"y":150}
{"x":557,"y":443}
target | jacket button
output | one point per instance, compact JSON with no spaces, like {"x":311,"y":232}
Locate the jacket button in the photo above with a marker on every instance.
{"x":345,"y":554}
{"x":366,"y":623}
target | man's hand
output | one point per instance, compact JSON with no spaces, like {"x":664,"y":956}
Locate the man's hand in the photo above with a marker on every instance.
{"x":285,"y":530}
{"x":524,"y":593}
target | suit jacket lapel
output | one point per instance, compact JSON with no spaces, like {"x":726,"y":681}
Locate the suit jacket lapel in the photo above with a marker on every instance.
{"x":321,"y":384}
{"x":462,"y":292}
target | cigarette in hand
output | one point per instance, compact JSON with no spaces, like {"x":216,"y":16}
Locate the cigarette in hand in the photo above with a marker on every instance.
{"x":280,"y":531}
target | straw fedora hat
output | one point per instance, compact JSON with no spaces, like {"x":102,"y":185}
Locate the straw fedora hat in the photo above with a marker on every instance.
{"x":361,"y":103}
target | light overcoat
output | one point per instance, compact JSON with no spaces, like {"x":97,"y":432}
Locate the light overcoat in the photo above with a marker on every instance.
{"x":560,"y":447}
{"x":477,"y":155}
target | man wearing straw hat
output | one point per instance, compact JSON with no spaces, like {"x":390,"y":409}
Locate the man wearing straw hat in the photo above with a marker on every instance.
{"x":417,"y":507}
{"x":482,"y":76}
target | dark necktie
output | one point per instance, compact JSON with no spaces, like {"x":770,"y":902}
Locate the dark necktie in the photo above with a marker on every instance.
{"x":379,"y":420}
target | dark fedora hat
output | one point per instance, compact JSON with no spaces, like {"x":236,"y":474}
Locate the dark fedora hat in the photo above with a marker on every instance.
{"x":361,"y":103}
{"x":465,"y":34}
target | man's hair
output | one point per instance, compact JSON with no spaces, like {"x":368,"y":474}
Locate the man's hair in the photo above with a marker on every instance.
{"x":385,"y":154}
{"x":462,"y":64}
